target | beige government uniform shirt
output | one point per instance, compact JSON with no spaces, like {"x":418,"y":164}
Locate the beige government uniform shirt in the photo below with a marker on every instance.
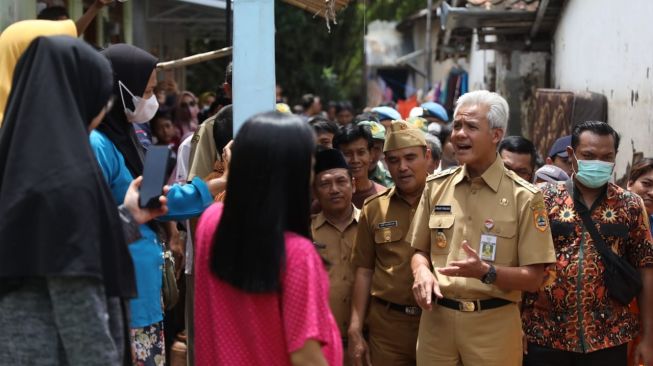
{"x":381,"y":245}
{"x":499,"y":204}
{"x":337,"y":251}
{"x":203,"y":152}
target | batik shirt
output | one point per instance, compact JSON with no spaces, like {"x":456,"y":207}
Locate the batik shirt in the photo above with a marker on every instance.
{"x":573,"y":310}
{"x":382,"y":176}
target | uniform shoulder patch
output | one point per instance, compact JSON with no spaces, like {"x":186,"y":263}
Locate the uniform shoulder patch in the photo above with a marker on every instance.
{"x":443,"y":173}
{"x":540,"y":219}
{"x":530,"y":187}
{"x":376,"y":195}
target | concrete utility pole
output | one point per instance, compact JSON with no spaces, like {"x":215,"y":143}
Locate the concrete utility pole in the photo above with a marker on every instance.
{"x":254,"y":68}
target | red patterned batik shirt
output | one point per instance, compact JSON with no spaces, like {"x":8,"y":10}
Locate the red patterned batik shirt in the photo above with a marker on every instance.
{"x":573,"y":310}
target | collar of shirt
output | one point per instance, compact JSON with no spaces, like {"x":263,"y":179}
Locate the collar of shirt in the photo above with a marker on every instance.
{"x":320,"y":219}
{"x":492,"y":175}
{"x":394,"y":192}
{"x":610,"y":192}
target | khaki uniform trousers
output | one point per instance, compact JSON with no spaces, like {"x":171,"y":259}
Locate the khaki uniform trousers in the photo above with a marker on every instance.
{"x":450,"y":337}
{"x":393,"y":336}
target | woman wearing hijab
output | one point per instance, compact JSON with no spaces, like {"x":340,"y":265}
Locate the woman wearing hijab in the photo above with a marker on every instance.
{"x":121,"y":159}
{"x":185,"y":114}
{"x":13,"y":42}
{"x":64,"y":263}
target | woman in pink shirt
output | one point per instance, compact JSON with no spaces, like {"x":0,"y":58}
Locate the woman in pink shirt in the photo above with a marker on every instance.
{"x":261,"y":290}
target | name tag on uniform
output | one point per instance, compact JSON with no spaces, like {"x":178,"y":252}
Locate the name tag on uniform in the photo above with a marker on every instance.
{"x":488,"y":250}
{"x":387,"y":224}
{"x":442,"y":208}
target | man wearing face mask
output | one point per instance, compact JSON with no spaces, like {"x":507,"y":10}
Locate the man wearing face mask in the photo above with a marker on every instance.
{"x":577,"y":318}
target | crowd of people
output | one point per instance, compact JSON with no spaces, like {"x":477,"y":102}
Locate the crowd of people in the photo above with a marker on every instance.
{"x":312,"y":237}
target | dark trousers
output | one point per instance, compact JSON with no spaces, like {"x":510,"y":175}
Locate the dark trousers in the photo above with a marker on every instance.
{"x":543,"y":356}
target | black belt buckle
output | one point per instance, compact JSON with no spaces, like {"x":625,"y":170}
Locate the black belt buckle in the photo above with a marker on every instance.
{"x":408,"y":310}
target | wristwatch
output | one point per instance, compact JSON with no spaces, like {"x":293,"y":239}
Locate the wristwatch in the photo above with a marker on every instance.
{"x":490,"y":276}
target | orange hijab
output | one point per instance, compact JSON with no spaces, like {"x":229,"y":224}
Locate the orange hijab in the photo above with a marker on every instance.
{"x":15,"y":39}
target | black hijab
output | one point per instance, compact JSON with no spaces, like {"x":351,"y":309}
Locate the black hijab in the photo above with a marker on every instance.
{"x":57,"y":215}
{"x":133,"y":67}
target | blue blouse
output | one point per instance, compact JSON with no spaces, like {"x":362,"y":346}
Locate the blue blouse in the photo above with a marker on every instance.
{"x":184,"y":201}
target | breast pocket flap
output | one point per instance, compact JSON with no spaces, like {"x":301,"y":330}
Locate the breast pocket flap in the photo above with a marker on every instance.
{"x":618,"y":230}
{"x":504,"y":229}
{"x":387,"y":235}
{"x":559,"y":228}
{"x":441,"y":221}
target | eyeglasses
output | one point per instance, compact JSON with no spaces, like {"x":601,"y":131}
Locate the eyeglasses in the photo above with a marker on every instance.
{"x":192,"y":103}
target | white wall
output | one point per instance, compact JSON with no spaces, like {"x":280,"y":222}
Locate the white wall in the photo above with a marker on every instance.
{"x":479,"y":62}
{"x":606,"y":46}
{"x":419,"y":43}
{"x":382,"y":43}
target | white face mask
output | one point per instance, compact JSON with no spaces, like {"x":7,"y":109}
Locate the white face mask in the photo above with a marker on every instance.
{"x":144,"y":109}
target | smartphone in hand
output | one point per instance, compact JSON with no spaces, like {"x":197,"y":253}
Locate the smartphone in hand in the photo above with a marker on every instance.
{"x":155,"y":175}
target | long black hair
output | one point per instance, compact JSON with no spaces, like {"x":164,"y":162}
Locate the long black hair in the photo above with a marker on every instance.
{"x":268,"y":193}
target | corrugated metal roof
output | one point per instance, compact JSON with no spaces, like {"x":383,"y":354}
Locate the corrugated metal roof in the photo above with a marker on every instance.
{"x":528,"y":5}
{"x":515,"y":24}
{"x":318,"y":7}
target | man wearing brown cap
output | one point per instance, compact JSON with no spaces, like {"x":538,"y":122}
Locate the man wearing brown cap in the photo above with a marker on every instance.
{"x":482,"y":236}
{"x":382,"y":255}
{"x":334,"y":230}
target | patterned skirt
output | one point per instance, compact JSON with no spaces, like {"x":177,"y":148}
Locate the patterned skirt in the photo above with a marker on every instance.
{"x":148,"y":345}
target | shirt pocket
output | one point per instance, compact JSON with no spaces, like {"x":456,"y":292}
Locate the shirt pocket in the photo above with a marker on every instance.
{"x":326,"y":254}
{"x":441,"y":227}
{"x":616,"y":230}
{"x":614,"y":236}
{"x":388,"y":235}
{"x":559,"y":228}
{"x":506,"y":251}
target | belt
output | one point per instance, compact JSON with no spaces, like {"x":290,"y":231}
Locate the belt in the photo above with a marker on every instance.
{"x":471,"y":305}
{"x":408,"y":310}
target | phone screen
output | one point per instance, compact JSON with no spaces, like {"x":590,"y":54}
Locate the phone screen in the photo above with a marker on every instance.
{"x":155,"y":172}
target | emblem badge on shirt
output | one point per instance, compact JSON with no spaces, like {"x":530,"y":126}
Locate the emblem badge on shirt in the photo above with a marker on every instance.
{"x":440,"y":239}
{"x":488,"y":247}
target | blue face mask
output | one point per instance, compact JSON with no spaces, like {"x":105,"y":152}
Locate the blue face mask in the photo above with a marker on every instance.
{"x":593,"y":173}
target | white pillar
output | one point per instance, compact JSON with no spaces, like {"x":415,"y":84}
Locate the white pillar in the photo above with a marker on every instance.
{"x":253,"y":59}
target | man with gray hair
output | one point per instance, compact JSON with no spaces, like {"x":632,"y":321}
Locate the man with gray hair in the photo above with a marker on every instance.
{"x":481,"y":236}
{"x":433,"y":143}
